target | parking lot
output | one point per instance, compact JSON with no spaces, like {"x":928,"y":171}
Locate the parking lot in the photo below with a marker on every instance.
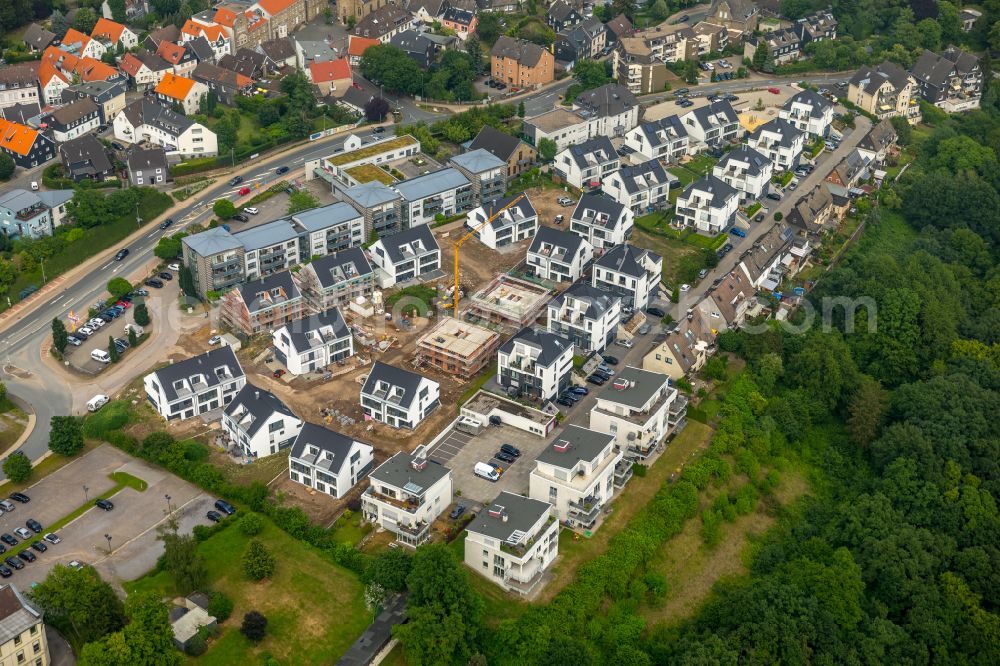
{"x":460,"y":452}
{"x":131,"y":524}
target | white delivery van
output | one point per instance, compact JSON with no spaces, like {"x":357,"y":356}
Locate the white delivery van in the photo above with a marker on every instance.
{"x":100,"y":355}
{"x":134,"y":327}
{"x":97,"y":402}
{"x":486,"y":471}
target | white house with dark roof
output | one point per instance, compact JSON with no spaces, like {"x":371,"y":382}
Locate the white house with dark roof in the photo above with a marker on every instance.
{"x":779,"y":141}
{"x":586,"y":315}
{"x":557,"y":255}
{"x":952,"y":80}
{"x":808,"y":111}
{"x":641,"y":187}
{"x":708,"y":206}
{"x":445,"y":192}
{"x":586,"y":165}
{"x":712,"y":125}
{"x":399,"y":398}
{"x":638,"y":409}
{"x":517,"y":223}
{"x":747,"y":171}
{"x":328,"y":461}
{"x":259,"y":423}
{"x":406,"y":494}
{"x":313,"y":342}
{"x":631,"y":273}
{"x":664,"y":139}
{"x":602,"y":221}
{"x":145,"y":120}
{"x":197,"y":385}
{"x":576,"y":475}
{"x":535,"y":364}
{"x":331,"y":228}
{"x":408,"y":255}
{"x":512,"y":541}
{"x":336,"y":279}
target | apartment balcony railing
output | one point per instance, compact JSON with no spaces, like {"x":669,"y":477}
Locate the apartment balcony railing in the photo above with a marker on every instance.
{"x":419,"y":530}
{"x":410,"y":504}
{"x":524,"y":587}
{"x":623,"y":472}
{"x":585,"y":510}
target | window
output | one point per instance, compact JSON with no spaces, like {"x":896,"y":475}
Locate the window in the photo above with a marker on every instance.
{"x":37,"y":647}
{"x":17,"y":640}
{"x":34,"y":630}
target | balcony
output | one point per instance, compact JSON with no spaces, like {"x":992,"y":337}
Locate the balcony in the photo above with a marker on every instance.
{"x":585,"y":511}
{"x":524,"y":587}
{"x":623,"y":472}
{"x":410,"y":504}
{"x":520,"y":549}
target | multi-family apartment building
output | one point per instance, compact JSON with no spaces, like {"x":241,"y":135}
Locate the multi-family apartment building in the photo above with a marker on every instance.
{"x":780,"y":141}
{"x":398,"y":398}
{"x":19,"y":84}
{"x":602,"y":221}
{"x":73,"y":120}
{"x":173,"y":90}
{"x":330,"y":228}
{"x":517,"y":223}
{"x":557,"y":255}
{"x":608,"y":111}
{"x":952,"y":81}
{"x":262,"y":305}
{"x":445,"y":192}
{"x":380,"y":205}
{"x":664,"y":139}
{"x":713,"y":125}
{"x":631,"y":273}
{"x":517,"y":154}
{"x":408,"y":255}
{"x":886,"y":91}
{"x":313,"y":342}
{"x":708,"y":206}
{"x":145,"y":120}
{"x":685,"y":349}
{"x":22,"y":630}
{"x":809,"y":111}
{"x":457,"y":348}
{"x":336,"y":279}
{"x":637,"y":67}
{"x":535,"y":364}
{"x":784,"y":45}
{"x":384,"y":23}
{"x":196,"y":385}
{"x":641,"y":187}
{"x":215,"y":259}
{"x":353,"y":165}
{"x":406,"y":494}
{"x":638,"y":409}
{"x":576,"y":475}
{"x":747,"y":171}
{"x":586,"y":315}
{"x":269,"y":248}
{"x":486,"y":172}
{"x":521,"y":63}
{"x":328,"y":461}
{"x":258,"y":423}
{"x":585,"y":165}
{"x":27,"y":214}
{"x":817,"y":26}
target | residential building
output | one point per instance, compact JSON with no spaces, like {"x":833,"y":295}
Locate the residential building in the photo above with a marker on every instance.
{"x":713,"y":125}
{"x":708,"y":206}
{"x":109,"y":96}
{"x":147,"y":166}
{"x":850,"y":170}
{"x":513,"y":225}
{"x":685,"y":349}
{"x":512,"y":541}
{"x":328,"y":461}
{"x":457,"y":348}
{"x":180,"y":56}
{"x":80,"y":45}
{"x":813,"y":211}
{"x":115,"y":34}
{"x":638,"y":409}
{"x":73,"y":120}
{"x":269,"y":248}
{"x":22,"y":630}
{"x":517,"y":154}
{"x":509,"y":301}
{"x":885,"y":91}
{"x":263,"y":305}
{"x":332,"y":77}
{"x":216,"y":35}
{"x":747,"y":171}
{"x":563,"y":15}
{"x":535,"y":364}
{"x":427,"y":11}
{"x":84,"y":158}
{"x":602,"y":221}
{"x":809,"y":112}
{"x":358,"y":162}
{"x":215,"y":258}
{"x":145,"y":120}
{"x":584,"y":41}
{"x":19,"y":84}
{"x":641,"y":187}
{"x":280,"y":53}
{"x":784,"y":45}
{"x":417,"y":46}
{"x":380,"y":206}
{"x":486,"y":172}
{"x":669,"y":41}
{"x":763,"y":265}
{"x":406,"y":494}
{"x":608,"y":111}
{"x":354,"y":100}
{"x":173,"y":90}
{"x":586,"y":165}
{"x":358,"y":45}
{"x":706,"y":38}
{"x":145,"y":70}
{"x":284,"y":16}
{"x":558,"y":256}
{"x":313,"y":342}
{"x":665,"y":139}
{"x":308,"y":51}
{"x":336,"y":280}
{"x":817,"y":27}
{"x":168,"y":33}
{"x":635,"y":66}
{"x":398,"y":398}
{"x":586,"y":315}
{"x":25,"y":214}
{"x":739,"y":16}
{"x":413,"y":254}
{"x":51,"y":80}
{"x":503,"y":6}
{"x":968,"y":17}
{"x":445,"y":192}
{"x":329,"y":229}
{"x":384,"y":22}
{"x":878,"y":143}
{"x":23,"y":114}
{"x":779,"y":141}
{"x":37,"y":38}
{"x":517,"y":62}
{"x":952,"y":81}
{"x":195,"y":386}
{"x":725,"y":307}
{"x":462,"y":21}
{"x":258,"y":424}
{"x":359,"y":9}
{"x":27,"y":147}
{"x":631,"y":273}
{"x":576,"y":475}
{"x":225,"y":84}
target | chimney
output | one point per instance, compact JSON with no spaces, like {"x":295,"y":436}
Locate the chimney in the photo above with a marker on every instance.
{"x":256,"y":394}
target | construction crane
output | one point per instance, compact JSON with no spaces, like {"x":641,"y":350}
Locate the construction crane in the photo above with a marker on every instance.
{"x":513,"y":202}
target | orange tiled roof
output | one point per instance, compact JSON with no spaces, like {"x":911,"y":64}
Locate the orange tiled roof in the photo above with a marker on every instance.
{"x":332,"y":70}
{"x":130,"y":64}
{"x":191,"y":28}
{"x":17,"y":137}
{"x":91,"y":69}
{"x":253,"y":26}
{"x":74,"y":36}
{"x":106,"y":29}
{"x":214,"y":32}
{"x":226,"y":17}
{"x":272,"y":7}
{"x":170,"y":52}
{"x":61,"y":60}
{"x":47,"y":71}
{"x":359,"y":45}
{"x":175,"y":87}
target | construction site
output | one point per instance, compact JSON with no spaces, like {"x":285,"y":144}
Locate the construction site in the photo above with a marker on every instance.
{"x":508,"y":301}
{"x":458,"y":347}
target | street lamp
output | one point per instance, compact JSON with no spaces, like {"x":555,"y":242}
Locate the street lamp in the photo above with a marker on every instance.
{"x":167,"y":497}
{"x":86,"y":494}
{"x":108,"y":537}
{"x":138,"y":220}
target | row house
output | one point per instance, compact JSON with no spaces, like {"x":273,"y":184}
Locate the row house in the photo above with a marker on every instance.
{"x":145,"y":120}
{"x":563,"y":15}
{"x":182,"y":57}
{"x":258,"y":423}
{"x":426,"y":11}
{"x":147,"y":166}
{"x":885,"y":91}
{"x":383,"y":23}
{"x":75,"y":119}
{"x":216,"y":35}
{"x":739,"y":16}
{"x":461,"y":21}
{"x":814,"y":211}
{"x":878,"y":143}
{"x":517,"y":223}
{"x":685,"y":349}
{"x":194,"y":386}
{"x":109,"y":96}
{"x":808,"y":111}
{"x":665,"y":139}
{"x":747,"y":171}
{"x":586,"y":165}
{"x":763,"y":265}
{"x":409,"y":255}
{"x":313,"y":342}
{"x":263,"y":305}
{"x":535,"y":364}
{"x":558,"y":256}
{"x":328,"y":461}
{"x":779,"y":141}
{"x":638,"y":409}
{"x":80,"y":45}
{"x":587,"y":316}
{"x":586,"y":41}
{"x":486,"y":172}
{"x":783,"y":45}
{"x":445,"y":192}
{"x":631,"y":273}
{"x":52,"y":81}
{"x":708,"y":206}
{"x":398,"y":398}
{"x":725,"y":307}
{"x":145,"y":70}
{"x":337,"y":279}
{"x":641,"y":187}
{"x":602,"y":221}
{"x":225,"y":84}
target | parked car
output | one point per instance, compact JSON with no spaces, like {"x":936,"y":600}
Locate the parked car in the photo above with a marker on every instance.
{"x":14,"y":563}
{"x":240,"y":217}
{"x":174,"y":266}
{"x":76,"y":565}
{"x":565,"y":201}
{"x":609,"y":359}
{"x":121,"y":254}
{"x":251,"y":210}
{"x":75,"y":341}
{"x":107,"y":505}
{"x":511,"y":449}
{"x":214,"y":516}
{"x":579,"y":390}
{"x":736,"y":231}
{"x":627,"y":344}
{"x":572,"y":397}
{"x":8,"y":539}
{"x":215,"y":339}
{"x":236,"y":180}
{"x":34,"y":525}
{"x":225,"y":507}
{"x":559,"y":219}
{"x":5,"y":571}
{"x":20,"y":497}
{"x":457,"y":512}
{"x":656,"y":312}
{"x":155,"y":284}
{"x":167,"y":223}
{"x":27,"y":556}
{"x":567,"y":403}
{"x":121,"y":344}
{"x":165,"y":275}
{"x":594,"y":379}
{"x":378,"y":130}
{"x":685,"y":287}
{"x":774,"y":196}
{"x":39,"y":546}
{"x":277,"y":374}
{"x":504,"y":457}
{"x":139,"y":292}
{"x":759,"y":217}
{"x":22,"y":532}
{"x":52,"y":538}
{"x":644,"y":329}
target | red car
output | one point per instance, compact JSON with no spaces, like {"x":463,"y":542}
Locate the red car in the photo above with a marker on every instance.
{"x":278,"y":373}
{"x":774,"y":91}
{"x":244,"y":191}
{"x":124,"y":304}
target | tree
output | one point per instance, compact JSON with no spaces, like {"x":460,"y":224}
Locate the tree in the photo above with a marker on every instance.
{"x":475,"y":50}
{"x":254,"y":626}
{"x":146,"y":639}
{"x":118,"y":10}
{"x":390,"y":569}
{"x":376,"y":109}
{"x":691,"y":72}
{"x":181,"y":559}
{"x":626,"y":7}
{"x":258,"y":561}
{"x":113,"y":350}
{"x":80,"y":605}
{"x":867,"y":409}
{"x":489,"y":28}
{"x":141,"y":315}
{"x":170,"y":247}
{"x":17,"y":467}
{"x":60,"y":338}
{"x":660,"y":10}
{"x":133,"y":339}
{"x":119,"y":287}
{"x":251,"y":524}
{"x":220,"y":606}
{"x":65,"y":435}
{"x":762,"y":60}
{"x":391,"y":67}
{"x":7,"y":166}
{"x":186,"y":280}
{"x":58,"y":23}
{"x":301,"y":200}
{"x":547,"y":149}
{"x":520,"y":109}
{"x":223,"y":209}
{"x":85,"y":20}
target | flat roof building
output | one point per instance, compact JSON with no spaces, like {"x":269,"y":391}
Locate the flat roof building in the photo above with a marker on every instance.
{"x":458,"y":348}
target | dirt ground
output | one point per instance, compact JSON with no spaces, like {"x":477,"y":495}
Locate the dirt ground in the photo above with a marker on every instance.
{"x":477,"y":264}
{"x":544,"y":201}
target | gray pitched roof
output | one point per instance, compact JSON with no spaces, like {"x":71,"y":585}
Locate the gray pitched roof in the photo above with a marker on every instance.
{"x":550,"y":345}
{"x":269,"y":291}
{"x":252,"y":407}
{"x":611,"y":99}
{"x":817,"y":103}
{"x":560,"y":10}
{"x":664,"y":130}
{"x":638,"y":177}
{"x":400,"y":471}
{"x":344,"y":265}
{"x":21,"y":113}
{"x":518,"y":212}
{"x":207,"y":365}
{"x":145,"y":111}
{"x":719,"y":189}
{"x":573,"y":445}
{"x":85,"y":155}
{"x":16,"y":615}
{"x":620,"y":26}
{"x":526,"y":53}
{"x":627,"y":259}
{"x":479,"y":160}
{"x":871,"y":79}
{"x":335,"y":448}
{"x":493,"y":140}
{"x":643,"y":385}
{"x":140,"y":159}
{"x":316,"y":219}
{"x":787,"y":132}
{"x":395,"y":244}
{"x":431,"y":184}
{"x":412,"y":41}
{"x":317,"y":329}
{"x":396,"y":378}
{"x":38,"y":37}
{"x":593,"y":205}
{"x":433,"y":7}
{"x":509,"y":517}
{"x":935,"y":69}
{"x":201,"y":49}
{"x":745,"y":155}
{"x":566,"y":244}
{"x":382,"y":21}
{"x":715,"y":113}
{"x":212,"y":241}
{"x":598,"y":301}
{"x":278,"y":50}
{"x":460,"y":16}
{"x":72,"y":112}
{"x":878,"y":137}
{"x":153,"y":61}
{"x":599,"y":148}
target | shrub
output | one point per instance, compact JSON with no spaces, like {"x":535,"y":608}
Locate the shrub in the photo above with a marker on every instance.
{"x":258,"y":561}
{"x":251,"y":524}
{"x":112,"y":417}
{"x":220,"y":606}
{"x":196,"y":646}
{"x":711,"y":530}
{"x":17,"y":467}
{"x":254,"y":626}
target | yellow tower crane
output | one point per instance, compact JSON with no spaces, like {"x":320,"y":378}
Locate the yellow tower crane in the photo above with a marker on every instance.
{"x":458,"y":244}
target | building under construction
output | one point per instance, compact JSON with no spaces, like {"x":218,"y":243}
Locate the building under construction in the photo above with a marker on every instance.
{"x":508,"y":301}
{"x":458,"y":347}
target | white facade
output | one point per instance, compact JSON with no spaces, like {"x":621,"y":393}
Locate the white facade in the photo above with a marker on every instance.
{"x":664,"y":139}
{"x":586,"y":165}
{"x":537,"y":364}
{"x":445,"y":192}
{"x":52,"y":89}
{"x":405,"y":256}
{"x":639,"y":408}
{"x":258,"y":423}
{"x":328,"y":461}
{"x":194,"y":140}
{"x":576,"y":475}
{"x":82,"y":128}
{"x":196,"y":385}
{"x":191,"y":101}
{"x":398,"y":398}
{"x":312,"y":343}
{"x":780,"y":142}
{"x":602,"y":221}
{"x":641,"y":187}
{"x":713,"y":125}
{"x":747,"y":171}
{"x":809,"y":112}
{"x":517,"y":223}
{"x":631,"y":273}
{"x":708,"y":206}
{"x":407,"y":493}
{"x":587,"y":316}
{"x":559,"y":256}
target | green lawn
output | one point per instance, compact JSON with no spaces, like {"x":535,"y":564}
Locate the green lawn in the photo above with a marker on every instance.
{"x":697,"y":167}
{"x":315,"y":609}
{"x":679,"y":258}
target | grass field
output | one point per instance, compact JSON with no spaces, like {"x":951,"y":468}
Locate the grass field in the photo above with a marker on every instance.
{"x":675,"y":253}
{"x":315,"y":609}
{"x":13,"y":421}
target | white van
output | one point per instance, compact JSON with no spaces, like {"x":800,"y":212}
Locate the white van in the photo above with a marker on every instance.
{"x":97,"y":402}
{"x":100,"y":355}
{"x":134,"y":327}
{"x":486,"y":471}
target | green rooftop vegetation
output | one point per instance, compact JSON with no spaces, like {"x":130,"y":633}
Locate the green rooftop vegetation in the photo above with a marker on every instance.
{"x":365,"y":173}
{"x":372,"y":150}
